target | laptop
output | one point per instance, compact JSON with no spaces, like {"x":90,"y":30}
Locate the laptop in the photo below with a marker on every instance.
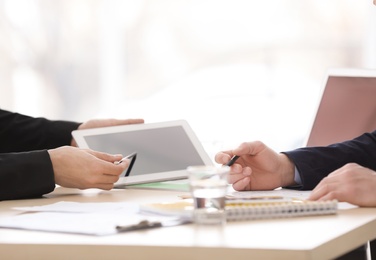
{"x":347,"y":107}
{"x":159,"y":151}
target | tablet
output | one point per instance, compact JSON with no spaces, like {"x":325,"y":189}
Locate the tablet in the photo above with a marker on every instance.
{"x":164,"y":150}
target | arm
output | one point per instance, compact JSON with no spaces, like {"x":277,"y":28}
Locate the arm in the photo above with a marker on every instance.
{"x":28,"y":169}
{"x":25,"y":175}
{"x":25,"y":168}
{"x":315,"y":163}
{"x":32,"y":174}
{"x":259,"y":167}
{"x":20,"y":133}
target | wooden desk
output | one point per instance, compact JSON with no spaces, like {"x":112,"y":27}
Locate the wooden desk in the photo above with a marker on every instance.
{"x":319,"y":237}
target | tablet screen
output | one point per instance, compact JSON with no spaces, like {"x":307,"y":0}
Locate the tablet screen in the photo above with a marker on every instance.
{"x":158,"y":150}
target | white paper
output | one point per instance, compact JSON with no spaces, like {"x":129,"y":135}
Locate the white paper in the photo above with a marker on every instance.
{"x":77,"y":207}
{"x":80,"y":218}
{"x":287,"y":193}
{"x":298,"y":194}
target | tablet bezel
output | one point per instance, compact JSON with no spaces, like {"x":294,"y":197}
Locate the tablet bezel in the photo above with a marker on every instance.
{"x":79,"y":136}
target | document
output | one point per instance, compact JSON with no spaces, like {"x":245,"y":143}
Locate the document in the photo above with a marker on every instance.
{"x":77,"y":207}
{"x":104,"y":218}
{"x":289,"y":193}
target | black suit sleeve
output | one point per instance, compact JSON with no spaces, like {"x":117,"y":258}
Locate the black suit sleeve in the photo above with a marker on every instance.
{"x":25,"y":166}
{"x":20,"y":133}
{"x":315,"y":163}
{"x":25,"y":175}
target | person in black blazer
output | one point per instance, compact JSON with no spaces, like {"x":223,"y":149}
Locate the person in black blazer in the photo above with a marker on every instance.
{"x":36,"y":154}
{"x":344,"y":171}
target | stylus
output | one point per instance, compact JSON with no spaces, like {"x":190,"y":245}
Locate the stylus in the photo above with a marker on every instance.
{"x":233,"y":160}
{"x":125,"y":158}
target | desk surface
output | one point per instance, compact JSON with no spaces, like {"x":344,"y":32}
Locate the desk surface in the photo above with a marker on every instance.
{"x":317,"y":237}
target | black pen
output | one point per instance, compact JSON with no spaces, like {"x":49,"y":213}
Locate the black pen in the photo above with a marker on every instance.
{"x":233,"y":160}
{"x":144,"y":224}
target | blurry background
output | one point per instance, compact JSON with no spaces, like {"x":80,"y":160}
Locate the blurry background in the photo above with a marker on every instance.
{"x":236,"y":70}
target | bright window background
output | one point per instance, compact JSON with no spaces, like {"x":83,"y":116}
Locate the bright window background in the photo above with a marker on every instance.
{"x":236,"y":70}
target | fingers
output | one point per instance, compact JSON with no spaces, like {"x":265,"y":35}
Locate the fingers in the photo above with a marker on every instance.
{"x":117,"y":122}
{"x":109,"y":122}
{"x":105,"y":156}
{"x":328,"y":192}
{"x":106,"y":182}
{"x":242,"y":185}
{"x":239,"y":177}
{"x":328,"y":196}
{"x":106,"y":165}
{"x":105,"y":175}
{"x":246,"y":148}
{"x":115,"y":169}
{"x":330,"y":186}
{"x":320,"y":191}
{"x":249,"y":148}
{"x":129,"y":121}
{"x":240,"y":171}
{"x":223,"y":157}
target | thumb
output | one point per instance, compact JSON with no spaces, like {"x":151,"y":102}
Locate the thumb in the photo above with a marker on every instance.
{"x":106,"y":156}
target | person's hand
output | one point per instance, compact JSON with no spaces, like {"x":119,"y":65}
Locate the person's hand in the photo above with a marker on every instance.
{"x":83,"y":169}
{"x":351,"y":183}
{"x":258,"y":167}
{"x":95,"y":123}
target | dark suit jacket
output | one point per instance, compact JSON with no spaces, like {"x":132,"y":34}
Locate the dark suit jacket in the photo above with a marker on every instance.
{"x":25,"y":166}
{"x":314,"y":163}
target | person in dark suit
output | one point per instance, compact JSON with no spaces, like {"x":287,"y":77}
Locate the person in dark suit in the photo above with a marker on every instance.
{"x":37,"y":153}
{"x":344,"y":171}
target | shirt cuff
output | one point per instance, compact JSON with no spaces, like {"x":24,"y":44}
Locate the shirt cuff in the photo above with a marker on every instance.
{"x":297,"y":178}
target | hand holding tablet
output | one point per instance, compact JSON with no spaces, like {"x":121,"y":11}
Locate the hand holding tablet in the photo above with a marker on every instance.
{"x":164,"y":150}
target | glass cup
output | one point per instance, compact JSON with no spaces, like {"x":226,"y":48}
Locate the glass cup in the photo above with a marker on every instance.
{"x":208,"y":185}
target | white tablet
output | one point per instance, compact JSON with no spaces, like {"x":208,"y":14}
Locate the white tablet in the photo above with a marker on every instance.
{"x":164,"y":150}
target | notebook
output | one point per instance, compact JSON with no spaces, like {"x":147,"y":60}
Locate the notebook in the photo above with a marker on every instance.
{"x":347,"y":107}
{"x":164,"y":149}
{"x":250,"y":209}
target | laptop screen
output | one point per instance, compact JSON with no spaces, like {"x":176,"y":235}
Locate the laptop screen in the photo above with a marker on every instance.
{"x":347,"y":107}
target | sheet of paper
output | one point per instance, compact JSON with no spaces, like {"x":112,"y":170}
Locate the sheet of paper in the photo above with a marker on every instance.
{"x":81,"y":218}
{"x":77,"y":207}
{"x":299,"y":194}
{"x":79,"y":223}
